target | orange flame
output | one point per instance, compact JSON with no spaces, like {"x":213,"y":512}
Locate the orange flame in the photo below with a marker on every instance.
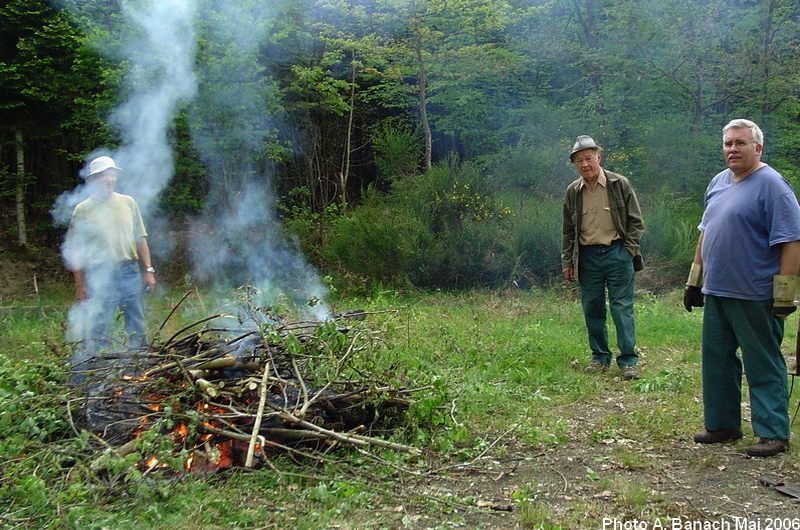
{"x":224,"y":457}
{"x":180,"y":432}
{"x":143,"y":421}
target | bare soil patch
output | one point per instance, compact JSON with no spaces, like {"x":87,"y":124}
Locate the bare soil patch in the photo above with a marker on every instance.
{"x":590,"y":481}
{"x":26,"y":271}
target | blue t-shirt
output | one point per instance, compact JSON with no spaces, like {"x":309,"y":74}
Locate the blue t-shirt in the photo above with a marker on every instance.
{"x":743,"y":224}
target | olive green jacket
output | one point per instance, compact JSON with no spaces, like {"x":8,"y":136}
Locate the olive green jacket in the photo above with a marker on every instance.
{"x":625,"y":213}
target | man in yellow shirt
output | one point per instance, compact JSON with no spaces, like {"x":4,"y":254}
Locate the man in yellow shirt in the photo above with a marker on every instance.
{"x":106,"y":244}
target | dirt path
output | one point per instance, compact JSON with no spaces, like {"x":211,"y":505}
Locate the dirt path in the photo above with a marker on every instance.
{"x":609,"y":483}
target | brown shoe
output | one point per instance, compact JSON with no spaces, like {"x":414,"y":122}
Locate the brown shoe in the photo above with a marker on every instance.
{"x":767,"y":447}
{"x":630,"y":373}
{"x":719,"y":436}
{"x":596,"y":367}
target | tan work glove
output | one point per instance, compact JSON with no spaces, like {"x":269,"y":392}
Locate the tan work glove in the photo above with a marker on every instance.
{"x":783,"y":290}
{"x":692,"y":295}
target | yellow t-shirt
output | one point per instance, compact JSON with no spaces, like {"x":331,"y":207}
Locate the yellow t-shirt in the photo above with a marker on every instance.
{"x":104,"y":231}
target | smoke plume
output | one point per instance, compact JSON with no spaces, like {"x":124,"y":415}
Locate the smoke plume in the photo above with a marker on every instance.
{"x":158,"y":42}
{"x":224,"y":89}
{"x":230,"y":124}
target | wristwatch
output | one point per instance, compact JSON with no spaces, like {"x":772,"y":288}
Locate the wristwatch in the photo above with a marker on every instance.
{"x":150,"y":269}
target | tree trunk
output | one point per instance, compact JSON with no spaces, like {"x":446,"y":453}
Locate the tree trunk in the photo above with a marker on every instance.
{"x":22,"y":232}
{"x":422,"y":87}
{"x":697,"y":105}
{"x":769,"y":34}
{"x":344,"y":174}
{"x":588,"y":21}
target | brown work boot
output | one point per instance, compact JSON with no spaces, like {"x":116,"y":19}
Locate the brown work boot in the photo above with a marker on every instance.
{"x":595,"y":367}
{"x":629,"y":373}
{"x":718,"y":436}
{"x":767,"y":447}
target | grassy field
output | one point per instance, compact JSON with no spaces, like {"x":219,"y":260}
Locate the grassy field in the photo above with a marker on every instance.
{"x":505,"y":379}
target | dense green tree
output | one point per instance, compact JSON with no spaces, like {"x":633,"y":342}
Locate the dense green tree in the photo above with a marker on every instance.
{"x":50,"y":91}
{"x":54,"y":92}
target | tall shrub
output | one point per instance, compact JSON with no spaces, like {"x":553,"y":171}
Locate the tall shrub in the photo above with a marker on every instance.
{"x":671,"y":228}
{"x":468,"y":226}
{"x":536,"y":240}
{"x":397,"y":151}
{"x":440,"y":229}
{"x":377,"y":240}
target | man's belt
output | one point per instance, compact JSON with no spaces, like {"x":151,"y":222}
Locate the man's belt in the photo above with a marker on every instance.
{"x":615,"y":242}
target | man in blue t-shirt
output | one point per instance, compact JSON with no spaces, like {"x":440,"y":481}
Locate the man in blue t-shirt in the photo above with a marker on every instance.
{"x":746,"y":260}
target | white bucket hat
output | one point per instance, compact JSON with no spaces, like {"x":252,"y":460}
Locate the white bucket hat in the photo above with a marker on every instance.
{"x":100,"y":164}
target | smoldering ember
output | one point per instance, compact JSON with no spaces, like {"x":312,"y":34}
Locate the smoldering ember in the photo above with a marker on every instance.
{"x":212,"y":397}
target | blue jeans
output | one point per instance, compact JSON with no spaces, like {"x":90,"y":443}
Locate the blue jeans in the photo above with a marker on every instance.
{"x":108,"y":288}
{"x":600,"y":268}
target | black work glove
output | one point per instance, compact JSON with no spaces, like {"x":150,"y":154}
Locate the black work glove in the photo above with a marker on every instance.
{"x":693,"y":297}
{"x":782,"y":311}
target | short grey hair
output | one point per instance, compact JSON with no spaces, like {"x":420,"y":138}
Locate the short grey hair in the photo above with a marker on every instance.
{"x":755,"y":131}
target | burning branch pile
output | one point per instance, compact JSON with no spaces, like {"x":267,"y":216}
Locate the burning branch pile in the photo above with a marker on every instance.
{"x":221,"y":397}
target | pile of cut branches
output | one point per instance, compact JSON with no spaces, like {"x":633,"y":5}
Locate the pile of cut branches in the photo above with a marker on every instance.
{"x":213,"y":396}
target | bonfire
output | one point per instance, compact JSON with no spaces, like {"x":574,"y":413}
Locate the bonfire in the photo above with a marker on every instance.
{"x":215,"y":396}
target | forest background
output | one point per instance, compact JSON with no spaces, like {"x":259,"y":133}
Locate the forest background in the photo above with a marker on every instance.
{"x":412,"y":142}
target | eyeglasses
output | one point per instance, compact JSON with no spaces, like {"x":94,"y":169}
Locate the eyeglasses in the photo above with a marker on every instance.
{"x":737,"y":143}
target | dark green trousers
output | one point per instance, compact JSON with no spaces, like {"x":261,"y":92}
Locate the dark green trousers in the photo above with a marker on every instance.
{"x":730,"y":324}
{"x":609,"y":268}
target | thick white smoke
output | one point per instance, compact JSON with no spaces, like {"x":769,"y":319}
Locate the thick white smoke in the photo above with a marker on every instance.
{"x":238,"y":239}
{"x":159,"y":50}
{"x":160,"y":81}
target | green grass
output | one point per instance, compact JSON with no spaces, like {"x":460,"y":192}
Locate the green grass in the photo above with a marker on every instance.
{"x":496,"y":363}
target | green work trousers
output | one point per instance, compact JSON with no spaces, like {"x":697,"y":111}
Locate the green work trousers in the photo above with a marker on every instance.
{"x":608,"y":267}
{"x":730,"y":324}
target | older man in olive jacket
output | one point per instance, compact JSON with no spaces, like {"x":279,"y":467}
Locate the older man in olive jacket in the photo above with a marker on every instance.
{"x":600,"y":249}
